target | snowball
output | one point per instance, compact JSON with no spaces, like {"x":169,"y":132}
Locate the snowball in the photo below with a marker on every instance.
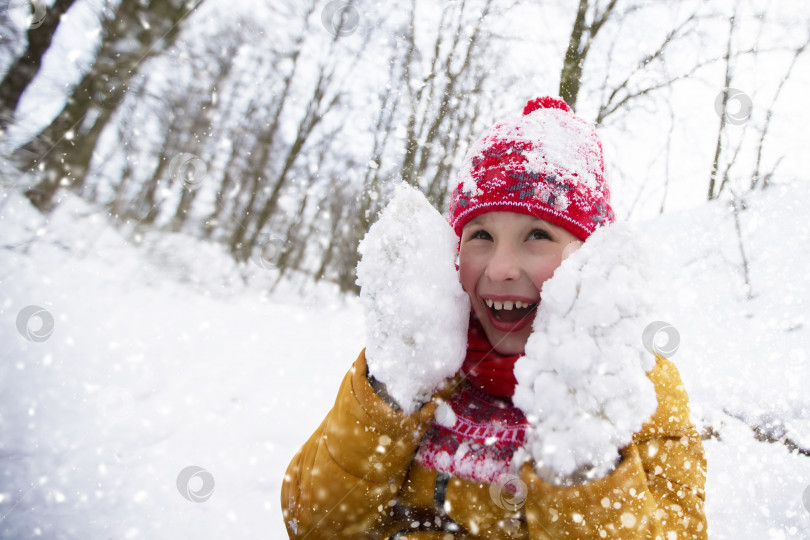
{"x":582,"y":382}
{"x":416,"y":311}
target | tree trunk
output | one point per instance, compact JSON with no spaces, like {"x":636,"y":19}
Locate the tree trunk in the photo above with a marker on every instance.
{"x":265,"y":143}
{"x":25,"y":68}
{"x":572,"y":66}
{"x":719,"y":146}
{"x":85,"y":115}
{"x":579,"y":43}
{"x":310,"y":119}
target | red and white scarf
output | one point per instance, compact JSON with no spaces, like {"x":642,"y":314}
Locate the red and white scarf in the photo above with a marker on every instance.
{"x":488,"y":429}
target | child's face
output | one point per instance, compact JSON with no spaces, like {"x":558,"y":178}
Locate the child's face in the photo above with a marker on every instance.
{"x":506,"y":257}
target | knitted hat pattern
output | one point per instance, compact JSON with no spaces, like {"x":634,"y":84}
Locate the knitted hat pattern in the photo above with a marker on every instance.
{"x":547,"y":163}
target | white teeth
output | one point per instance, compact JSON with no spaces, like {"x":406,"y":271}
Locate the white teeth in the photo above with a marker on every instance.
{"x":508,"y":305}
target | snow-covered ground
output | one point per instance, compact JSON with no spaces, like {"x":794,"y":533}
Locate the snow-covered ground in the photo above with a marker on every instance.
{"x":744,"y":360}
{"x":155,"y":363}
{"x":165,"y":355}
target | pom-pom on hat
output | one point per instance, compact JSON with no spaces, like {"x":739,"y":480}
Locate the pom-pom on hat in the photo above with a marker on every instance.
{"x":547,"y":163}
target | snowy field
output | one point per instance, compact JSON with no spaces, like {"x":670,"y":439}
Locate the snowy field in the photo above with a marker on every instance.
{"x":165,"y":355}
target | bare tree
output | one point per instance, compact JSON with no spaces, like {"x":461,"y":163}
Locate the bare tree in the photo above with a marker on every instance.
{"x":583,"y":34}
{"x":729,"y":151}
{"x":723,"y":114}
{"x":27,"y":65}
{"x":738,"y":205}
{"x":758,"y":175}
{"x":264,"y":145}
{"x":439,"y":110}
{"x":323,"y":99}
{"x":640,"y":82}
{"x":63,"y":150}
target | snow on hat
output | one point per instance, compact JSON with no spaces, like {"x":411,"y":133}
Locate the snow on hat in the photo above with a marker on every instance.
{"x":547,"y":163}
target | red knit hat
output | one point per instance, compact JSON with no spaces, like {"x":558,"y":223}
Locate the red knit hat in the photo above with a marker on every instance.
{"x":547,"y":163}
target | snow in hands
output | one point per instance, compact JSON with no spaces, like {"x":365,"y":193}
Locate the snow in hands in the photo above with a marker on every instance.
{"x":416,"y":311}
{"x":582,"y":382}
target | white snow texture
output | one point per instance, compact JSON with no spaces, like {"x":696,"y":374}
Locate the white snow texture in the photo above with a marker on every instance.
{"x":561,"y":144}
{"x":416,"y":311}
{"x":582,"y":382}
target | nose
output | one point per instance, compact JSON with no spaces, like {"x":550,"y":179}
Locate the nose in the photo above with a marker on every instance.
{"x":504,"y":264}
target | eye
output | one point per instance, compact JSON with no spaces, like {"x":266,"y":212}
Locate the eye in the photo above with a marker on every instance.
{"x":539,"y":234}
{"x":482,"y":234}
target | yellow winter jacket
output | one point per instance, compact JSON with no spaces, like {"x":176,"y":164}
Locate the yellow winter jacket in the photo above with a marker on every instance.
{"x":356,"y":478}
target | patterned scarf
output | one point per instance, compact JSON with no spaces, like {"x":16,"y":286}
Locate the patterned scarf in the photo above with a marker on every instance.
{"x":478,"y":438}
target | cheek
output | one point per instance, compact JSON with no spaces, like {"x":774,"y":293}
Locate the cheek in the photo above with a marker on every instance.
{"x":468,"y":273}
{"x":544,"y":269}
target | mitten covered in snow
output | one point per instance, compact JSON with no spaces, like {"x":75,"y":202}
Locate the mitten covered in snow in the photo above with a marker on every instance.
{"x":582,"y":382}
{"x":416,"y":311}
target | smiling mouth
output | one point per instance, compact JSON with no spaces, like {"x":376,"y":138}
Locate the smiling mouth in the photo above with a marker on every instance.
{"x":510,"y":311}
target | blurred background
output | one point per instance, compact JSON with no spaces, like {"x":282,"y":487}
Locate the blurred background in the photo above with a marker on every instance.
{"x":183,"y":185}
{"x":277,"y":128}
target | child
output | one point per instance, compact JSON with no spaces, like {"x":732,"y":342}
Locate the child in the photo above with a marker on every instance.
{"x":385,"y":464}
